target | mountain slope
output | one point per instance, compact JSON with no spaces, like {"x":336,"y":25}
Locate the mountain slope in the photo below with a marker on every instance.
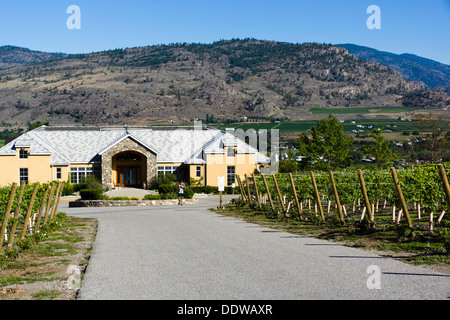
{"x":11,"y":56}
{"x":180,"y":82}
{"x":432,"y":73}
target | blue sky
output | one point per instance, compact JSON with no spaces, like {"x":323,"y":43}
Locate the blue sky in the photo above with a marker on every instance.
{"x":407,"y":26}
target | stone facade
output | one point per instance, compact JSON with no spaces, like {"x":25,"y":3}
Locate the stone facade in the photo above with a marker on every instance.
{"x":127,"y":145}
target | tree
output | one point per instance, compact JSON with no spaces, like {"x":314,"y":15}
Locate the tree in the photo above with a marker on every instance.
{"x":328,"y":148}
{"x":288,"y":166}
{"x":436,"y":136}
{"x":38,"y":124}
{"x":381,"y":151}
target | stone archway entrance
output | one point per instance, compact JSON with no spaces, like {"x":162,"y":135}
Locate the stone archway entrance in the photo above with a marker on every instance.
{"x":128,"y":163}
{"x":129,"y":168}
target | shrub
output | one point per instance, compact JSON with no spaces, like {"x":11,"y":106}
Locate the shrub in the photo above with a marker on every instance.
{"x":205,"y":189}
{"x":161,"y":196}
{"x":210,"y":189}
{"x":121,"y":198}
{"x":89,"y":182}
{"x":68,"y":189}
{"x":167,"y":188}
{"x":196,"y":189}
{"x":152,"y":197}
{"x":188,"y":193}
{"x":168,"y":178}
{"x":91,"y":194}
{"x":229,"y":190}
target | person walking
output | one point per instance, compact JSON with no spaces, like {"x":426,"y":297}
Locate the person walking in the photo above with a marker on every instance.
{"x":180,"y":193}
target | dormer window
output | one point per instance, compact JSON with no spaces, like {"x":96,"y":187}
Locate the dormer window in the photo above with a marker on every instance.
{"x":231,"y":152}
{"x":23,"y":154}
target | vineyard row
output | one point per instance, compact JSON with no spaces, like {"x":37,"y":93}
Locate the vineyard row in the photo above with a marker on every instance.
{"x":378,"y":196}
{"x":26,"y":210}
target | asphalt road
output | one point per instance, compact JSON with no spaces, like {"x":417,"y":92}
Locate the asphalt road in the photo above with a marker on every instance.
{"x":189,"y":253}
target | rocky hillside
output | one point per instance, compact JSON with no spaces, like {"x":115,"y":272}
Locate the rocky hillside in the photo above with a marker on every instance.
{"x":432,"y":73}
{"x":11,"y":56}
{"x":180,"y":82}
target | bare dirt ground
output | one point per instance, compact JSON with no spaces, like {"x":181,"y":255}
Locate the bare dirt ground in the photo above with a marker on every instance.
{"x":52,"y":269}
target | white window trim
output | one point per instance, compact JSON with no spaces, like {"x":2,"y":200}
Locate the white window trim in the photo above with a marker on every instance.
{"x":20,"y":153}
{"x":28,"y":175}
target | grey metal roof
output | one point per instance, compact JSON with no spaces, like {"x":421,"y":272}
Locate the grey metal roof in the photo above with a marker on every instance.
{"x":75,"y":145}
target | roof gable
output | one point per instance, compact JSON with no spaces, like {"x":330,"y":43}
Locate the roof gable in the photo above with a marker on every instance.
{"x":131,"y":136}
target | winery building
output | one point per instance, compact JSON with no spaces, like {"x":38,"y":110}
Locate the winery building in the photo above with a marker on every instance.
{"x":127,"y":156}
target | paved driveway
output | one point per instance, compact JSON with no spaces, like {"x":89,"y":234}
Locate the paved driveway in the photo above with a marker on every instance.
{"x":187,"y":252}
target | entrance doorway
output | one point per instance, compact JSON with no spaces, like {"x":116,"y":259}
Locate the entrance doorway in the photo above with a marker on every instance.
{"x":129,"y":176}
{"x":130,"y":168}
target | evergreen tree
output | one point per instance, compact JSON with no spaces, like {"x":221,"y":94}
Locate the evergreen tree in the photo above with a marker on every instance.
{"x":381,"y":151}
{"x":328,"y":148}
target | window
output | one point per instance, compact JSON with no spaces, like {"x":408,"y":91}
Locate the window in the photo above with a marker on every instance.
{"x":231,"y":152}
{"x":23,"y":175}
{"x":162,"y":170}
{"x":231,"y":176}
{"x":79,"y":173}
{"x":23,"y":154}
{"x":58,"y":173}
{"x":198,"y":172}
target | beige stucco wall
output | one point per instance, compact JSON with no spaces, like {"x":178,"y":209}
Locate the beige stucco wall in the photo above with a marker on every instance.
{"x":193,"y":173}
{"x":64,"y":173}
{"x":38,"y":169}
{"x":217,"y":166}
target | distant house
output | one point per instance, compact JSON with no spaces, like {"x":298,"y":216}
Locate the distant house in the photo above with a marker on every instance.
{"x":127,"y":157}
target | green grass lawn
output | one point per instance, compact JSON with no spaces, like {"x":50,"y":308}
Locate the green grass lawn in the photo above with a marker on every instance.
{"x":2,"y":143}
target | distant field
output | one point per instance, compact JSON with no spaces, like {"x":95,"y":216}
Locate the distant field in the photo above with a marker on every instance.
{"x":389,"y":109}
{"x":362,"y":126}
{"x":283,"y":127}
{"x":2,"y":142}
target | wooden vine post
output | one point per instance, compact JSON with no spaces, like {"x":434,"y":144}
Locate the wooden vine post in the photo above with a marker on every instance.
{"x":257,"y":191}
{"x":295,"y":195}
{"x":49,"y":203}
{"x":57,"y":199}
{"x":268,"y":193}
{"x":366,"y":198}
{"x":402,"y":198}
{"x":52,"y":209}
{"x":336,"y":196}
{"x":8,"y":211}
{"x":248,"y":190}
{"x":16,"y":215}
{"x":241,"y":188}
{"x":41,"y":210}
{"x":445,"y":184}
{"x":279,"y":193}
{"x":30,"y":209}
{"x":316,"y":192}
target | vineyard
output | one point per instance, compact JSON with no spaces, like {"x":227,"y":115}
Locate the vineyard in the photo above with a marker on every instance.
{"x":415,"y":200}
{"x":27,"y":213}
